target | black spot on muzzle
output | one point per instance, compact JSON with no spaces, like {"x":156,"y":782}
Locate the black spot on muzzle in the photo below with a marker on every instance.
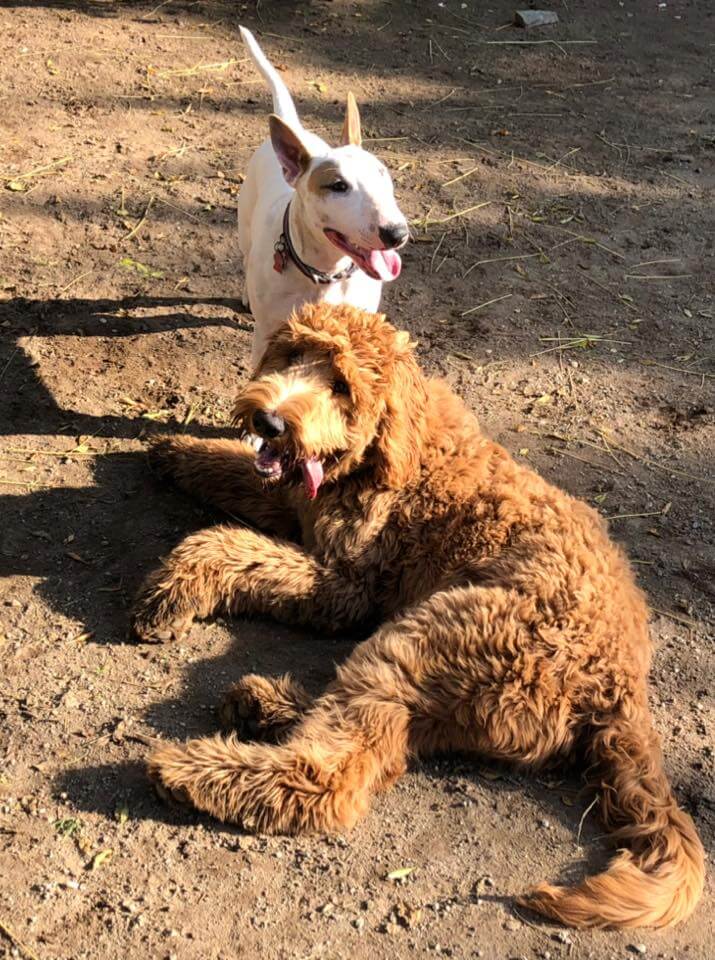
{"x":394,"y":235}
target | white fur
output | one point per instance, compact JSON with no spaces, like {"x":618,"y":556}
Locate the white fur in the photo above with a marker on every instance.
{"x":358,"y":215}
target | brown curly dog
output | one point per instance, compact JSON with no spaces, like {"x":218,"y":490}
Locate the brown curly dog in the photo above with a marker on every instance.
{"x":511,"y":625}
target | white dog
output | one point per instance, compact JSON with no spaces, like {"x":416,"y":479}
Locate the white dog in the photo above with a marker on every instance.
{"x":314,"y":222}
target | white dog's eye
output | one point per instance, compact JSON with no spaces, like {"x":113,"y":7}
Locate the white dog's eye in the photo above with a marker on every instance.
{"x":338,"y":186}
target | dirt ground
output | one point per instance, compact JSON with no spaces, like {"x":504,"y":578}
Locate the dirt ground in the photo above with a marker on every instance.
{"x":560,"y":185}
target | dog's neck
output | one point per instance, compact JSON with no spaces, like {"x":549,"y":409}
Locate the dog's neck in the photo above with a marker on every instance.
{"x":312,"y":246}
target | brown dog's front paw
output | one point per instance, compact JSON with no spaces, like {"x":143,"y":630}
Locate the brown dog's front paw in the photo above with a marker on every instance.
{"x":164,"y":455}
{"x":156,"y":619}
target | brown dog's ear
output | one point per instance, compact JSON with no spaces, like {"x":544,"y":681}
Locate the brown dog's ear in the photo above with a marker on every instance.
{"x":292,"y":153}
{"x":401,"y":431}
{"x":351,"y":126}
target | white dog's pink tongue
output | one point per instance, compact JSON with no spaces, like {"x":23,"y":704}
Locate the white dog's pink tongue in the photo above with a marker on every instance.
{"x":386,"y":264}
{"x":312,"y":476}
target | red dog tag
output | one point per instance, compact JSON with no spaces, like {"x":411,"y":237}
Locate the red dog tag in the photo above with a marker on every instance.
{"x":279,"y":261}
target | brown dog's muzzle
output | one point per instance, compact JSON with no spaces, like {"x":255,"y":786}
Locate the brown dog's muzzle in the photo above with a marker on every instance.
{"x":268,"y":424}
{"x":277,"y":459}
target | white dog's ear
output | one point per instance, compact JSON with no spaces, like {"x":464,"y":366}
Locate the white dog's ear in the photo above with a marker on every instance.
{"x":351,"y":126}
{"x":292,"y":153}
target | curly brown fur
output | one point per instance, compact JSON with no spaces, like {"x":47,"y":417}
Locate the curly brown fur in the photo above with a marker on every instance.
{"x":511,"y":625}
{"x":263,"y":708}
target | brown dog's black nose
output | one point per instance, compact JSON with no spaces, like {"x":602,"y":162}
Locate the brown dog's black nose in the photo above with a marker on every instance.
{"x":268,"y":425}
{"x":394,"y":234}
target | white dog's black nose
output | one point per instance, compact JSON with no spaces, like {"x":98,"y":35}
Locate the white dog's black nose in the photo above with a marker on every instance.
{"x":394,"y":234}
{"x":268,"y":425}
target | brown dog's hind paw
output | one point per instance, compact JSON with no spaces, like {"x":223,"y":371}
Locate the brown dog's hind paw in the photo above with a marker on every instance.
{"x":262,"y":708}
{"x":172,"y":798}
{"x":247,"y":708}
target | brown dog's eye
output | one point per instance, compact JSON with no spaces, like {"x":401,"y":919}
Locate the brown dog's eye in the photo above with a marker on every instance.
{"x":341,"y":388}
{"x":293,"y":358}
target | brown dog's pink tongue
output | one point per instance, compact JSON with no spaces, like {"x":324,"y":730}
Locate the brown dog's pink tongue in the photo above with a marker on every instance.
{"x":312,"y":476}
{"x":386,"y":264}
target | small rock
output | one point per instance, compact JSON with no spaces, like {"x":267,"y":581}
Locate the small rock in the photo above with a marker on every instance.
{"x":535,"y":18}
{"x":639,"y":948}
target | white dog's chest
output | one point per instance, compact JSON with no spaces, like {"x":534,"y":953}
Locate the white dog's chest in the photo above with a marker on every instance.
{"x":272,"y":296}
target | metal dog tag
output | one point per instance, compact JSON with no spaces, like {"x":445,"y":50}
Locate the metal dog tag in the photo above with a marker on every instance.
{"x":280,"y":256}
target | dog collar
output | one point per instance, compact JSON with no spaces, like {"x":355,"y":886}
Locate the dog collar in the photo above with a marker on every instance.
{"x":284,"y":251}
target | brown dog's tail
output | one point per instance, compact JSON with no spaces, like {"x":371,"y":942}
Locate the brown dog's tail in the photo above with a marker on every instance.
{"x":658,"y":880}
